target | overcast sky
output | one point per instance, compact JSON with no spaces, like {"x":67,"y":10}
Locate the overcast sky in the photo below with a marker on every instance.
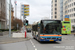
{"x":38,"y":9}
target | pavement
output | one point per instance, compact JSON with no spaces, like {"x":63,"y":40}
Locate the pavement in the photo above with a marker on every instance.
{"x":5,"y":39}
{"x":67,"y":43}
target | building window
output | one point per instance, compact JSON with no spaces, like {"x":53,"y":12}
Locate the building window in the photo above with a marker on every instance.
{"x":74,"y":3}
{"x":74,"y":20}
{"x":55,"y":12}
{"x":55,"y":0}
{"x":55,"y":4}
{"x":55,"y":8}
{"x":70,"y":15}
{"x":55,"y":16}
{"x":74,"y":14}
{"x":70,"y":5}
{"x":74,"y":9}
{"x":68,"y":10}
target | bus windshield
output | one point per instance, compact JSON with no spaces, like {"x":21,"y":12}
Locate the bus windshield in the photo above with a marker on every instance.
{"x":51,"y":27}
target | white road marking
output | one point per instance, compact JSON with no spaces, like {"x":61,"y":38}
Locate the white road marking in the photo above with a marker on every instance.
{"x":33,"y":45}
{"x":35,"y":49}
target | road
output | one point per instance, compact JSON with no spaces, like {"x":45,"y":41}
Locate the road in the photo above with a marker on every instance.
{"x":67,"y":43}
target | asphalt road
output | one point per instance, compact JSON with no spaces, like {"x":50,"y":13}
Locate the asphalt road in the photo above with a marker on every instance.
{"x":67,"y":43}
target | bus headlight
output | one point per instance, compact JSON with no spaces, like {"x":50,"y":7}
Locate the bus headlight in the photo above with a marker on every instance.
{"x":59,"y":38}
{"x":42,"y":38}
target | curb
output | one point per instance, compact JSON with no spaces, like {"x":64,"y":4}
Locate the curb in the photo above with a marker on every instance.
{"x":15,"y":41}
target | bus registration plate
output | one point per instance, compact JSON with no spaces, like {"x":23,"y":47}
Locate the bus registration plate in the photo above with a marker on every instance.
{"x":51,"y":40}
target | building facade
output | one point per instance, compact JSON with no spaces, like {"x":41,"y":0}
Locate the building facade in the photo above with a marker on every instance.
{"x":69,"y":9}
{"x":2,"y":14}
{"x":55,"y":9}
{"x":60,"y":8}
{"x":7,"y":12}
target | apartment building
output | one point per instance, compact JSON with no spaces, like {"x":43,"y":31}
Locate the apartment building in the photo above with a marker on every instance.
{"x":55,"y":9}
{"x":60,"y":8}
{"x":2,"y":14}
{"x":69,"y":9}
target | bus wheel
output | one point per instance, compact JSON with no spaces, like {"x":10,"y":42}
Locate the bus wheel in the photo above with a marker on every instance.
{"x":33,"y":37}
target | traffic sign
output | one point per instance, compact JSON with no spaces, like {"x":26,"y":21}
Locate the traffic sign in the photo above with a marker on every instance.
{"x":66,"y":16}
{"x":25,"y":10}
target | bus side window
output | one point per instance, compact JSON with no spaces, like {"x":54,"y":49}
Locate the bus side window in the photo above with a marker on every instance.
{"x":61,"y":25}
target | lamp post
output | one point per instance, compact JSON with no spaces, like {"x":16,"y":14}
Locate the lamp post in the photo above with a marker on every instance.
{"x":10,"y":20}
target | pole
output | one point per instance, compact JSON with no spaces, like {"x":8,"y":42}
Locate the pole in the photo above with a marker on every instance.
{"x":10,"y":20}
{"x":25,"y":26}
{"x":15,"y":9}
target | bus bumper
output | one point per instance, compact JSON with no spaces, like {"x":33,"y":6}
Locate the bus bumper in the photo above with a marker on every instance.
{"x":50,"y":39}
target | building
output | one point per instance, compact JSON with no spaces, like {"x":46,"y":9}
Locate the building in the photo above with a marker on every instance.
{"x":69,"y":9}
{"x":12,"y":17}
{"x":55,"y":9}
{"x":60,"y":8}
{"x":2,"y":14}
{"x":7,"y":13}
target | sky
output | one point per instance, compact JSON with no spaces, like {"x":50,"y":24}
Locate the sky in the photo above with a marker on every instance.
{"x":38,"y":9}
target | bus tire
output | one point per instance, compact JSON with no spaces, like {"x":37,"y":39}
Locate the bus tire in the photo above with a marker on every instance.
{"x":33,"y":37}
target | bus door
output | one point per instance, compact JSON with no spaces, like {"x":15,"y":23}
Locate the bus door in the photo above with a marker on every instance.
{"x":38,"y":31}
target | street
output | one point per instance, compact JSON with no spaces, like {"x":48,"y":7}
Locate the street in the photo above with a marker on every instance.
{"x":67,"y":43}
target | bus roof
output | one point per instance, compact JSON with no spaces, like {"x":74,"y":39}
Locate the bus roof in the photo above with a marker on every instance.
{"x":44,"y":20}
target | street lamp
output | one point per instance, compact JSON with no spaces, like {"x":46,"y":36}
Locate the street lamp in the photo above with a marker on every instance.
{"x":10,"y":20}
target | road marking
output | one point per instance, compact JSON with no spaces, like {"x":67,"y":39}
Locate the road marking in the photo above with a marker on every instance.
{"x":33,"y":45}
{"x":35,"y":49}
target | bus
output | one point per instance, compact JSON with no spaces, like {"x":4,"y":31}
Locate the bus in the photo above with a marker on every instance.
{"x":66,"y":27}
{"x":47,"y":30}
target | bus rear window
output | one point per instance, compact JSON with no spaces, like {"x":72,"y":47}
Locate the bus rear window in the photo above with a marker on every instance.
{"x":66,"y":22}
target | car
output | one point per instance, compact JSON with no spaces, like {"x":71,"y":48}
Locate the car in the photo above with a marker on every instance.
{"x":28,"y":29}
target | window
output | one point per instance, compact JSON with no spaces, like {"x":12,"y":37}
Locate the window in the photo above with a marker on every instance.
{"x":74,"y":3}
{"x":66,"y":22}
{"x":55,"y":0}
{"x":70,"y":15}
{"x":55,"y":12}
{"x":70,"y":5}
{"x":55,"y":16}
{"x":55,"y":8}
{"x":74,"y":14}
{"x":74,"y":20}
{"x":55,"y":4}
{"x":68,"y":10}
{"x":74,"y":9}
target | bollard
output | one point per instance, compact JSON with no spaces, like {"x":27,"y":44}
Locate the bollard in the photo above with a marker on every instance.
{"x":25,"y":33}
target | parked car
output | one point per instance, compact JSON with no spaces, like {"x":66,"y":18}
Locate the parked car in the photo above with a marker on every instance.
{"x":28,"y":29}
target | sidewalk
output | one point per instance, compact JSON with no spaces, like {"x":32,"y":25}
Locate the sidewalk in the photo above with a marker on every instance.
{"x":6,"y":39}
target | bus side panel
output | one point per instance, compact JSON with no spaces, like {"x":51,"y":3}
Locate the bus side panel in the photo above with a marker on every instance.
{"x":66,"y":28}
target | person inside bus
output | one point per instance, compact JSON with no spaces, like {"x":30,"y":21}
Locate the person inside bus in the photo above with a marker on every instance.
{"x":54,"y":31}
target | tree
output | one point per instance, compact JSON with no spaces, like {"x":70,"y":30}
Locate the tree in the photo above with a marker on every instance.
{"x":15,"y":22}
